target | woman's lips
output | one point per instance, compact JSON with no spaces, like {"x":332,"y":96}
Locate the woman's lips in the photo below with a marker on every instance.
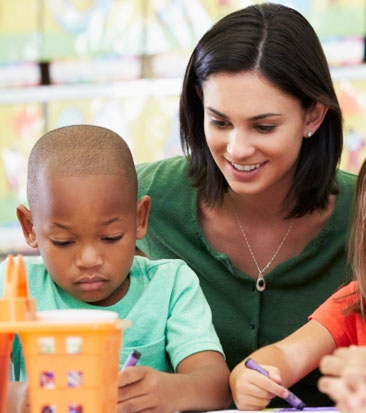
{"x":246,"y":172}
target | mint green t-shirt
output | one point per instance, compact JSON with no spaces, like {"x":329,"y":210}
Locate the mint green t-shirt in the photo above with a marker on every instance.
{"x":244,"y":318}
{"x":170,"y":317}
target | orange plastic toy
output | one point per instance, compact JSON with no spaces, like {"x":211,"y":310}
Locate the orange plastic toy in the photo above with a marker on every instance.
{"x":71,"y":362}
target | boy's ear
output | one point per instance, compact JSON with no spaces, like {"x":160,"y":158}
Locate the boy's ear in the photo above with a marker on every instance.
{"x":143,"y":209}
{"x":314,"y":118}
{"x":26,"y":221}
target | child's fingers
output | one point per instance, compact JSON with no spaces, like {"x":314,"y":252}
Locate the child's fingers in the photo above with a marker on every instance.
{"x":274,"y":385}
{"x":332,"y":365}
{"x":260,"y":386}
{"x":252,"y":390}
{"x":251,"y":397}
{"x":257,"y":395}
{"x":271,"y":387}
{"x":335,"y":388}
{"x":130,"y":389}
{"x":253,"y":403}
{"x":355,"y":376}
{"x":131,"y":375}
{"x":135,"y":404}
{"x":352,"y":355}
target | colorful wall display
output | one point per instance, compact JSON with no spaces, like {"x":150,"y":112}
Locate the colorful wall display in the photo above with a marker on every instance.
{"x":99,"y":42}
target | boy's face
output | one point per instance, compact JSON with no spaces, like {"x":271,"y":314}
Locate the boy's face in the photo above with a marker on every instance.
{"x":85,"y":228}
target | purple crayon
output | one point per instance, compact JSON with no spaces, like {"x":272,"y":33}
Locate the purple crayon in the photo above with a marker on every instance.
{"x":291,"y":398}
{"x":132,"y":359}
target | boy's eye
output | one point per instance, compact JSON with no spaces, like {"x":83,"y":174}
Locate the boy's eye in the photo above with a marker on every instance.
{"x":112,"y":239}
{"x":61,"y":243}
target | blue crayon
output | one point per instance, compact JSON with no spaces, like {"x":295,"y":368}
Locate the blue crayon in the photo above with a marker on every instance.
{"x":293,"y":400}
{"x":132,"y":359}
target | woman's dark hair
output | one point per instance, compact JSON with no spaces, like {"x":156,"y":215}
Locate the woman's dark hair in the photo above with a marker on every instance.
{"x":280,"y":44}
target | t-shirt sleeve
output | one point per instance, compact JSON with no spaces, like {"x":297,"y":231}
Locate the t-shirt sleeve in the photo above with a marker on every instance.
{"x":189,"y":326}
{"x":335,"y":315}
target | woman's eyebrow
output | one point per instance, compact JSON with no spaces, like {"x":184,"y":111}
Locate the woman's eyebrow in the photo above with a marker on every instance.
{"x":264,"y":115}
{"x":216,"y":112}
{"x":256,"y":117}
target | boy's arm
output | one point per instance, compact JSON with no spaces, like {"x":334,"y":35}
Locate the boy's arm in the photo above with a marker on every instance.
{"x":17,"y":401}
{"x":205,"y":380}
{"x":201,"y":383}
{"x":286,"y":361}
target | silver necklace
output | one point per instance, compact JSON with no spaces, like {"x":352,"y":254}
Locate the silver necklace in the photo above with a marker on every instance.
{"x":261,"y":284}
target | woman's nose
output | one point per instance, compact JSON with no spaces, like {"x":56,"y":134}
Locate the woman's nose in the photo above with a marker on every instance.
{"x":240,"y":145}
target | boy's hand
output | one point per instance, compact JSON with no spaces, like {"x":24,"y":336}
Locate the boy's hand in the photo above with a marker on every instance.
{"x":252,"y":390}
{"x":143,"y":388}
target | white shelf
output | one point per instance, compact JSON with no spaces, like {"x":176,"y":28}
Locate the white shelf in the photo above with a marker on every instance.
{"x":138,"y":87}
{"x":356,"y":72}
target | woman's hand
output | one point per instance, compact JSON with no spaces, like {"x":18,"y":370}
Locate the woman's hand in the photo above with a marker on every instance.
{"x":252,"y":390}
{"x":345,"y":378}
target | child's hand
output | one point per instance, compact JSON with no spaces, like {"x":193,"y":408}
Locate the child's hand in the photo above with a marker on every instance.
{"x":348,"y":390}
{"x":252,"y":390}
{"x":345,"y":378}
{"x":143,"y":388}
{"x":343,"y":357}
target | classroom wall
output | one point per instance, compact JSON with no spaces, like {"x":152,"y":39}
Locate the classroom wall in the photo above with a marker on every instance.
{"x":119,"y":64}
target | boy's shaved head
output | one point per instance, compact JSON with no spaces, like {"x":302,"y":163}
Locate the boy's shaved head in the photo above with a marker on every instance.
{"x":76,"y":151}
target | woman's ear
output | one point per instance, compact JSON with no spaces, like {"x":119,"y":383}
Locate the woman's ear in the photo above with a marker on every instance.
{"x":26,"y":221}
{"x":143,"y":209}
{"x":314,"y":118}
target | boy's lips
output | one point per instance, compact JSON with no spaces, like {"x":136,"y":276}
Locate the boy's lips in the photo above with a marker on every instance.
{"x":90,"y":283}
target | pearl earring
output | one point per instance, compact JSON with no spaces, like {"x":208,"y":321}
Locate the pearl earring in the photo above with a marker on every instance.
{"x":309,"y":134}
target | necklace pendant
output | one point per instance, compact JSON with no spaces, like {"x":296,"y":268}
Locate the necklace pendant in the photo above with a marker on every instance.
{"x":260,"y":284}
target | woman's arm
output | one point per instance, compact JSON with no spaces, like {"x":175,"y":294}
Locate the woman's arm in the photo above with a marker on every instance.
{"x":286,"y":361}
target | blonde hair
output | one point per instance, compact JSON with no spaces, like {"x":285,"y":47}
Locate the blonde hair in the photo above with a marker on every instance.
{"x":79,"y":150}
{"x":357,"y":243}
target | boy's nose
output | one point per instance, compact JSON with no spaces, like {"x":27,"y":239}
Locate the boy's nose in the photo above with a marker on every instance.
{"x":89,"y":257}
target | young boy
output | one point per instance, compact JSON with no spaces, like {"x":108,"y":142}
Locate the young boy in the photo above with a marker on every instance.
{"x":84,"y":219}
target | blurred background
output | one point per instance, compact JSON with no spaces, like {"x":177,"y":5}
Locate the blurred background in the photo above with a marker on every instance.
{"x":119,"y":64}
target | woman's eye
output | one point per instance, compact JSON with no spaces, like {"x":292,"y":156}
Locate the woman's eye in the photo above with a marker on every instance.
{"x":219,"y":123}
{"x":112,"y":239}
{"x":265,"y":128}
{"x":61,"y":243}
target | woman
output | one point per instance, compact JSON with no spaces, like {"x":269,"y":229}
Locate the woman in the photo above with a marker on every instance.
{"x":258,"y":208}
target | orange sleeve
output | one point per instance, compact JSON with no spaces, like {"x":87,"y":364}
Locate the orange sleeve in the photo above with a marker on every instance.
{"x":333,"y":315}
